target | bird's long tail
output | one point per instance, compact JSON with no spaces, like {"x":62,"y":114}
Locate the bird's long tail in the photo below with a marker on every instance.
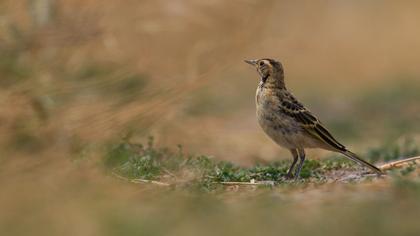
{"x":357,"y":159}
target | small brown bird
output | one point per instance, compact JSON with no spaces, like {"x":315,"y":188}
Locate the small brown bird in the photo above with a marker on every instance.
{"x":285,"y":120}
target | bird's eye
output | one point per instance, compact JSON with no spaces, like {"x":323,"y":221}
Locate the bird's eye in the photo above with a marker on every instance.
{"x":261,"y":63}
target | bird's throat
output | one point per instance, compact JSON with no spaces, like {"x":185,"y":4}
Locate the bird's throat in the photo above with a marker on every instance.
{"x":264,"y":78}
{"x":272,"y":82}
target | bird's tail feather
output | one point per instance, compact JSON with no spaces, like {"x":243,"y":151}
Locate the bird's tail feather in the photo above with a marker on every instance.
{"x":357,"y":159}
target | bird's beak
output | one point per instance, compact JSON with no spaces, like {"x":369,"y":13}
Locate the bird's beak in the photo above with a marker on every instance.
{"x":251,"y":62}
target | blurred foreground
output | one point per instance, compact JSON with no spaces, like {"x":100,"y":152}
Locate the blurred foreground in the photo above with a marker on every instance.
{"x":73,"y":198}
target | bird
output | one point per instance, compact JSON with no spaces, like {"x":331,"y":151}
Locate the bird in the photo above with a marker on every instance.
{"x":288,"y":122}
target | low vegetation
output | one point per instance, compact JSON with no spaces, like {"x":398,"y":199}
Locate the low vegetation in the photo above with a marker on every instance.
{"x":148,"y":162}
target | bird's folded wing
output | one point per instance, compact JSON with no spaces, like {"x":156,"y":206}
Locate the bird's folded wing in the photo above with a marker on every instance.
{"x":310,"y":123}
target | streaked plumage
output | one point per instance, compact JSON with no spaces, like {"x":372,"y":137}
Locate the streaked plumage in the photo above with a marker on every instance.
{"x":285,"y":120}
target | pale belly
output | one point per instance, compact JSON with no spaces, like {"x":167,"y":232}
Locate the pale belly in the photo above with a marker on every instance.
{"x":282,"y":129}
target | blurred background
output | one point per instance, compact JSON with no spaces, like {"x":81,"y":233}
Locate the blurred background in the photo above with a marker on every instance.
{"x":76,"y":75}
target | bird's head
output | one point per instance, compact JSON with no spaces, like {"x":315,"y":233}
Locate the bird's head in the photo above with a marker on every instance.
{"x":269,"y":69}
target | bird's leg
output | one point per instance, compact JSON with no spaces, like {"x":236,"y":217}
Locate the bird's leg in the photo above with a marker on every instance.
{"x":295,"y":158}
{"x":302,"y":159}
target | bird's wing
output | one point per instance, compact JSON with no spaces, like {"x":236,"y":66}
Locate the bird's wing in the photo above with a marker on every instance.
{"x":309,"y":122}
{"x":314,"y":127}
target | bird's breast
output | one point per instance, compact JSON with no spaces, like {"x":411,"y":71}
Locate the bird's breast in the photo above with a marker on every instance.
{"x":277,"y":125}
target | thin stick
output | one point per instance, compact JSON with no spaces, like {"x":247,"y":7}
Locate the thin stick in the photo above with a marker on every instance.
{"x":266,"y":183}
{"x":398,"y":163}
{"x":168,"y":172}
{"x":140,"y":181}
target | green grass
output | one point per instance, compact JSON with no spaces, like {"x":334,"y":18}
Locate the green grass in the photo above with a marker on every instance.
{"x":137,"y":161}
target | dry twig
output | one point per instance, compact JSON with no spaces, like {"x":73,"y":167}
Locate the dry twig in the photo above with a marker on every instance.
{"x":399,"y":163}
{"x":252,"y":183}
{"x":140,"y":181}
